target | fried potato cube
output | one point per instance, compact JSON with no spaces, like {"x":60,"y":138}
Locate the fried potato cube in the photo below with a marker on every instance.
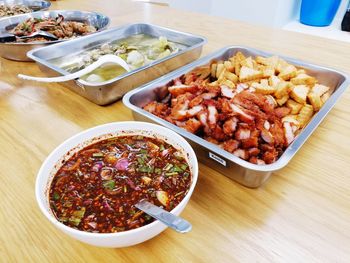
{"x":291,"y":119}
{"x":247,"y":74}
{"x":303,"y":79}
{"x":262,"y":60}
{"x":231,"y":76}
{"x":305,"y":114}
{"x":315,"y":101}
{"x":228,"y":83}
{"x":301,"y":71}
{"x":274,"y":80}
{"x":237,"y":67}
{"x":319,"y":89}
{"x":325,"y":97}
{"x":229,"y":66}
{"x":237,"y":62}
{"x":263,"y":88}
{"x":248,"y":62}
{"x":213,"y":68}
{"x":288,"y":72}
{"x":299,"y":93}
{"x":282,"y":89}
{"x":270,"y":61}
{"x":280,"y":64}
{"x":268,"y":71}
{"x":219,"y":69}
{"x":282,"y":100}
{"x":294,"y":106}
{"x":221,"y":77}
{"x":240,"y":56}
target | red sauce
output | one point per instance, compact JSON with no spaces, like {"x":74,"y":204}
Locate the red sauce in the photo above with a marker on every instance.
{"x":96,"y":189}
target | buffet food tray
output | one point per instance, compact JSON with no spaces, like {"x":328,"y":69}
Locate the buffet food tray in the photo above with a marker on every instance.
{"x":18,"y":50}
{"x":109,"y":91}
{"x":246,"y":173}
{"x":35,"y":5}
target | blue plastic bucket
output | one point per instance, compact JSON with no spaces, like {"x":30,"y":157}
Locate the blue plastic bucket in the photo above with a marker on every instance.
{"x":318,"y":12}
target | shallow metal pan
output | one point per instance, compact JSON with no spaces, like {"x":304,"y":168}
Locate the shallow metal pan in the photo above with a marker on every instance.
{"x":18,"y":51}
{"x":244,"y":172}
{"x":109,"y":91}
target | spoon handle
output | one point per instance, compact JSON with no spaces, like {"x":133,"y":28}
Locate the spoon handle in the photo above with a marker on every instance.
{"x":173,"y":221}
{"x":102,"y":60}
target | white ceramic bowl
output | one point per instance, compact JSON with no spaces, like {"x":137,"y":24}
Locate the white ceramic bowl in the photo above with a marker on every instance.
{"x":81,"y":140}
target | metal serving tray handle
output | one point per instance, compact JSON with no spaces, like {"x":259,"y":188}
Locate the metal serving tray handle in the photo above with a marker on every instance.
{"x":246,"y":173}
{"x":109,"y":91}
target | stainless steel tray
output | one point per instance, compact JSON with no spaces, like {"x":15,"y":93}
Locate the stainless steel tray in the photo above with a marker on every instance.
{"x":35,"y":5}
{"x":110,"y":91}
{"x":244,"y":172}
{"x":18,"y":51}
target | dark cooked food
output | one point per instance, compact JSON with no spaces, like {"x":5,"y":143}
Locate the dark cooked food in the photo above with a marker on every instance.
{"x":57,"y":26}
{"x":97,"y":188}
{"x":252,"y":108}
{"x":6,"y":10}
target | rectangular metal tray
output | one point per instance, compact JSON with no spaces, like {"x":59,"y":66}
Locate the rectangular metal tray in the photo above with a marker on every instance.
{"x":246,"y":173}
{"x":110,"y":91}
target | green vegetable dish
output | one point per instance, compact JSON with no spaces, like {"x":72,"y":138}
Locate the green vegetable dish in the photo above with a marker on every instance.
{"x":137,"y":50}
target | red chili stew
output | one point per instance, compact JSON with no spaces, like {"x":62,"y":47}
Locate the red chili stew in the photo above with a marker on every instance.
{"x":96,"y":189}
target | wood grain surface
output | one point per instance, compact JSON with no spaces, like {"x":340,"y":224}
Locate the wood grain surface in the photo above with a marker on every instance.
{"x":302,"y":214}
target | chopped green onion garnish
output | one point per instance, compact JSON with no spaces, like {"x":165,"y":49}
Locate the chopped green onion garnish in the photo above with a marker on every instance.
{"x":75,"y":221}
{"x":145,"y":169}
{"x":110,"y":184}
{"x":186,"y":174}
{"x":140,"y":160}
{"x":171,"y":173}
{"x":143,"y":151}
{"x":56,"y":196}
{"x":184,"y":166}
{"x":168,"y":166}
{"x":161,"y":147}
{"x":177,"y":169}
{"x":79,"y":213}
{"x":158,"y":171}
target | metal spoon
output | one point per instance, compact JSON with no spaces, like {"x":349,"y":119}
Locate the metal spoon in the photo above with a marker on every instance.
{"x":40,"y":33}
{"x":175,"y":222}
{"x":102,"y":60}
{"x":7,"y":37}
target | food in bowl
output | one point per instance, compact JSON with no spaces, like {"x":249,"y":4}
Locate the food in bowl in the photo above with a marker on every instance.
{"x":137,"y":50}
{"x":75,"y":144}
{"x":55,"y":25}
{"x":6,"y":10}
{"x":252,"y":108}
{"x":97,"y":188}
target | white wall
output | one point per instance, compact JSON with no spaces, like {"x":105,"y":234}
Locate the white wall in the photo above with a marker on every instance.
{"x":275,"y":13}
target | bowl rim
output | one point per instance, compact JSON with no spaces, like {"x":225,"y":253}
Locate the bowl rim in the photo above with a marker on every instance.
{"x":50,"y":12}
{"x":151,"y":127}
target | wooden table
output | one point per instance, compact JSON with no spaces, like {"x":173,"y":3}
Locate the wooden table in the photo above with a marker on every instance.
{"x":302,"y":214}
